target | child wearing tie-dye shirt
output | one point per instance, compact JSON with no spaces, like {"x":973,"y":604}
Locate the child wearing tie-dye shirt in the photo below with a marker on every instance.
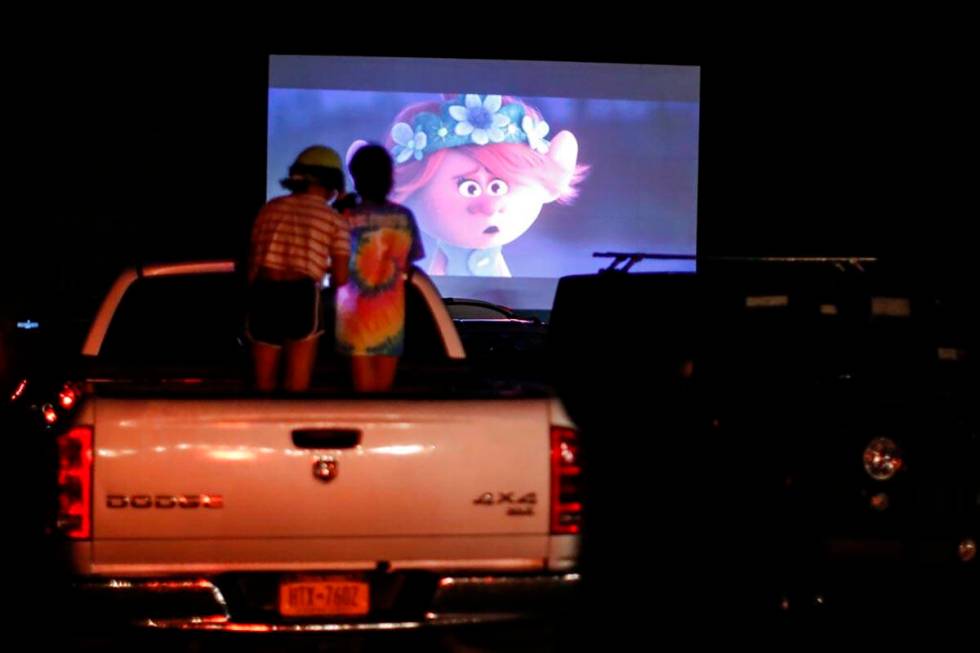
{"x":384,"y":242}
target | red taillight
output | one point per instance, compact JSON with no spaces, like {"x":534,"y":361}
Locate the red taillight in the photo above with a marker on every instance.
{"x":49,"y":413}
{"x":75,"y":483}
{"x":66,"y":402}
{"x":67,"y":398}
{"x":19,"y":390}
{"x":566,"y":474}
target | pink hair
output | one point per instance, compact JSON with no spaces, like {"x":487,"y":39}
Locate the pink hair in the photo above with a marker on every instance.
{"x":517,"y":162}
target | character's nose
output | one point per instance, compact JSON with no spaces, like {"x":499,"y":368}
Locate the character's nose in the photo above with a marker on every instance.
{"x":485,"y":205}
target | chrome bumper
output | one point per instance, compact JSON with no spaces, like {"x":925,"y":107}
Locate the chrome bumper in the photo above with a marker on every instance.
{"x":198,"y":604}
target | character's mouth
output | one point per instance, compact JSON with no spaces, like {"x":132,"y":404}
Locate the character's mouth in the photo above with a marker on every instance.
{"x":492,"y":229}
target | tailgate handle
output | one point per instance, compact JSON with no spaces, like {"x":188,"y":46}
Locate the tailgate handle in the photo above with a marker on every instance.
{"x":326,"y":438}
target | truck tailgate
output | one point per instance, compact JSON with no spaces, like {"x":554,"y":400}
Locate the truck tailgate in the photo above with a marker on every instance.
{"x":233,"y":476}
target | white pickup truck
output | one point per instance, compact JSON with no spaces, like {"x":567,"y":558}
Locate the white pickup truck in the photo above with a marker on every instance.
{"x":186,"y":500}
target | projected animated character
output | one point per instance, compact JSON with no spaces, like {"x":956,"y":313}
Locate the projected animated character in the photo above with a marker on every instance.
{"x":476,"y":170}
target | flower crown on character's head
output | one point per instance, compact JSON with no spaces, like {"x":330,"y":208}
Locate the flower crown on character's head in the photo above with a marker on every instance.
{"x":469,"y":119}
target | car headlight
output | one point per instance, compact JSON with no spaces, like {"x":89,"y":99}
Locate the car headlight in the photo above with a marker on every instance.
{"x":967,"y":549}
{"x":882,"y":459}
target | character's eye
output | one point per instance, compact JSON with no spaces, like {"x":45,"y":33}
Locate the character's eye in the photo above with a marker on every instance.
{"x":498,"y":187}
{"x":469,"y":188}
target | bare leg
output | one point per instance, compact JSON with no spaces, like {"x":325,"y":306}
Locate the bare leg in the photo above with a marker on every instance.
{"x":385,"y":368}
{"x":300,"y":358}
{"x":266,"y":366}
{"x":363,"y":369}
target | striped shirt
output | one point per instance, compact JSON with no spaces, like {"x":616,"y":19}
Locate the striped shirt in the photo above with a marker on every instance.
{"x":297,"y":234}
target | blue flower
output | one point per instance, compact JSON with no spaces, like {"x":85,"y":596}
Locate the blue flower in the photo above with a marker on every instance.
{"x":480,"y":120}
{"x":407,"y":142}
{"x":536,"y":131}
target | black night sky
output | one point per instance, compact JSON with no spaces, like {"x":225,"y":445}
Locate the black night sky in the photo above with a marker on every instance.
{"x":125,"y":151}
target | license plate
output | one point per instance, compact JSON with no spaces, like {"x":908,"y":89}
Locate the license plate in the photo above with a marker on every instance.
{"x":320,"y":597}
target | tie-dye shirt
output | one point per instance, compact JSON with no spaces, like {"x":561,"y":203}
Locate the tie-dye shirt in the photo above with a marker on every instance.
{"x":384,"y":242}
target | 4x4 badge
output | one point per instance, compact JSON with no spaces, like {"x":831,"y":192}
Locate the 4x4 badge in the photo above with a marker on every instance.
{"x":498,"y":498}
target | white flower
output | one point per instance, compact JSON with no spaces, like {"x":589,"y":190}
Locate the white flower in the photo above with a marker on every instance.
{"x":443,"y":132}
{"x":536,"y":131}
{"x":407,"y":143}
{"x":480,"y":120}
